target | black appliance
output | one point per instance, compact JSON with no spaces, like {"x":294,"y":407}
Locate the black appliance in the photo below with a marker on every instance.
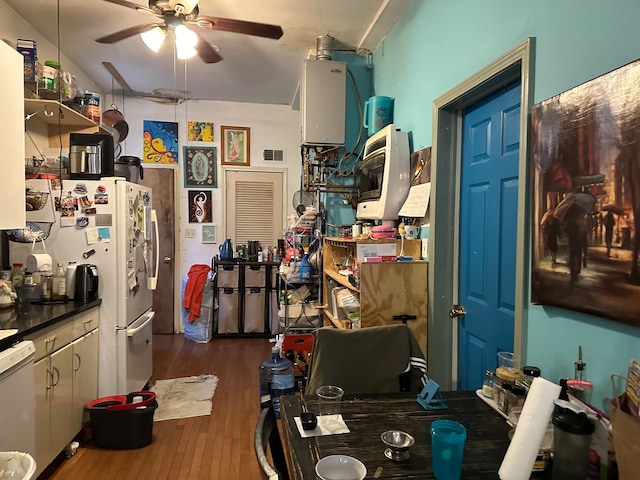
{"x":90,"y":156}
{"x":86,"y":283}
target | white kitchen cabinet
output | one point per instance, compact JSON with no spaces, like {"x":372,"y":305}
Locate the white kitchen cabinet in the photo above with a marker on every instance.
{"x":12,"y":128}
{"x":85,"y":376}
{"x":66,"y":378}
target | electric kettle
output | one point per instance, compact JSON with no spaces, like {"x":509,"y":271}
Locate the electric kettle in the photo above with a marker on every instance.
{"x":226,"y":250}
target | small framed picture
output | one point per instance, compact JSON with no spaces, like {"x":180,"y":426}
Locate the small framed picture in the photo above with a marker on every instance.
{"x":235,"y":144}
{"x":200,"y":167}
{"x":208,"y":234}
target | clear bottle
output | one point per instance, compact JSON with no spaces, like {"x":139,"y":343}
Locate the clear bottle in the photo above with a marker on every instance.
{"x":277,"y":378}
{"x":17,"y":275}
{"x":46,"y":284}
{"x":487,"y":384}
{"x":305,"y":265}
{"x":59,"y":283}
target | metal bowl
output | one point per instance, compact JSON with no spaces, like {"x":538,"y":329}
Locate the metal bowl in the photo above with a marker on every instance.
{"x":398,"y":443}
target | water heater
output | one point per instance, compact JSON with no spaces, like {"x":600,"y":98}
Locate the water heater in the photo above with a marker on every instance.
{"x":323,"y":88}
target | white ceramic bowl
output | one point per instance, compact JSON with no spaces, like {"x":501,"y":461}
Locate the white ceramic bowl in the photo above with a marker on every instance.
{"x":340,"y":467}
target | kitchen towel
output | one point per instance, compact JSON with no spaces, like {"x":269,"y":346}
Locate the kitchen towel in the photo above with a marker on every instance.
{"x":327,"y":425}
{"x":532,"y":425}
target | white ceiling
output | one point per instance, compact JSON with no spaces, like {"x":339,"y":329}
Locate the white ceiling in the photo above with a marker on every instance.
{"x":253,"y":69}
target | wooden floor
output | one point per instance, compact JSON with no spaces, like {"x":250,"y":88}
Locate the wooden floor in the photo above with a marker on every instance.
{"x":219,"y":446}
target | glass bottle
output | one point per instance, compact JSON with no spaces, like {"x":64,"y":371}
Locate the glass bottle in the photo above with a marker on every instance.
{"x":487,"y":384}
{"x":46,"y":284}
{"x":17,"y":275}
{"x":59,"y":283}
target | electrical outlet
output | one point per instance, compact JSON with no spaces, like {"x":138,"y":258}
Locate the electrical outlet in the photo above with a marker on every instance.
{"x":189,"y":233}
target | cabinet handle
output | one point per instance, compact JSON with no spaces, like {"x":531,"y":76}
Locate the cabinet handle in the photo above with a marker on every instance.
{"x":76,"y":368}
{"x":50,"y":342}
{"x":405,"y":318}
{"x":87,"y":325}
{"x":57,"y":372}
{"x":49,"y":379}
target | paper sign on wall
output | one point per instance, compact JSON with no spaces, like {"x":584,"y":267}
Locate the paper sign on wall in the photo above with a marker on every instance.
{"x":417,"y":201}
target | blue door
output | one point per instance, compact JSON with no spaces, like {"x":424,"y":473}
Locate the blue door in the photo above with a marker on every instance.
{"x":487,"y":235}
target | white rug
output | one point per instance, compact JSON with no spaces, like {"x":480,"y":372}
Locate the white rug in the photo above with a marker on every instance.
{"x":184,"y":397}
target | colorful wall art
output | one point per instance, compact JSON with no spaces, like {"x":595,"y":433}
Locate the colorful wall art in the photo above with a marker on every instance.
{"x":160,"y":142}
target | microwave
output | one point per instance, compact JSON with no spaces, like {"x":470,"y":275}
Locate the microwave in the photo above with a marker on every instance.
{"x":383,"y":176}
{"x":90,"y":156}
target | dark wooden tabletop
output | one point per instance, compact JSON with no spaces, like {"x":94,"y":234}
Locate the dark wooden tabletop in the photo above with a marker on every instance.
{"x":367,"y":416}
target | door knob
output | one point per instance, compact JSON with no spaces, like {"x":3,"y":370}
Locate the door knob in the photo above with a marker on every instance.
{"x":457,"y":311}
{"x":167,"y":260}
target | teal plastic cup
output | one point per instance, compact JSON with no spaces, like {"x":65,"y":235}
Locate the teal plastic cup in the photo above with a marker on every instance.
{"x":447,"y":447}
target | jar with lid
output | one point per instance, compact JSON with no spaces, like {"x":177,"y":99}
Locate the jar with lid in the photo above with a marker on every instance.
{"x":515,"y":398}
{"x":487,"y":384}
{"x":503,"y":396}
{"x":530,"y":372}
{"x":46,"y":285}
{"x":504,"y":375}
{"x":59,"y":283}
{"x":17,"y":275}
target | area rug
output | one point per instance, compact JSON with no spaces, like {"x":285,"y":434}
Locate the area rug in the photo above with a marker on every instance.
{"x":184,"y":397}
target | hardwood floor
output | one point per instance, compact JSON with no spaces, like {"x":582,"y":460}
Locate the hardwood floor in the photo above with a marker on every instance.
{"x":219,"y":446}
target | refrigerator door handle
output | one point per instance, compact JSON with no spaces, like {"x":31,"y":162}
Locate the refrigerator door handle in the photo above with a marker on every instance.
{"x":131,"y":332}
{"x":152,"y":282}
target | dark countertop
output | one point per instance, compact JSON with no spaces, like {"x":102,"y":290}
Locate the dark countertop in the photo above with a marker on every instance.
{"x":31,"y":317}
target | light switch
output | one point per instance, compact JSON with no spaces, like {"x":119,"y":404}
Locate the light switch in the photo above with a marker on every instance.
{"x":189,"y":233}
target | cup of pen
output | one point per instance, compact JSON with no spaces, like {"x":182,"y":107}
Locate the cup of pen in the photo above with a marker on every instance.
{"x":447,"y":448}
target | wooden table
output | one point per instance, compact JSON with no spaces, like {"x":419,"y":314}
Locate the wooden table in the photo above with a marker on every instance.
{"x":367,"y":416}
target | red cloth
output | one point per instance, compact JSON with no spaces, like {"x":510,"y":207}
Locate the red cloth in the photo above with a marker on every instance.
{"x":192,"y":297}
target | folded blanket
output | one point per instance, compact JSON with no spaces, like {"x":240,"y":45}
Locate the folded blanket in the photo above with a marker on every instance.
{"x":192,"y":298}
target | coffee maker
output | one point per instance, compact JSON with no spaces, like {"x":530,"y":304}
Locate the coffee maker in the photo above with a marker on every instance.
{"x":86,"y":283}
{"x":90,"y":156}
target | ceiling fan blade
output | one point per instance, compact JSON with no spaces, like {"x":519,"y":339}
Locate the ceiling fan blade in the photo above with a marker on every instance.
{"x":240,"y":26}
{"x":205,"y":51}
{"x":127,"y":32}
{"x":117,"y":77}
{"x":133,"y":6}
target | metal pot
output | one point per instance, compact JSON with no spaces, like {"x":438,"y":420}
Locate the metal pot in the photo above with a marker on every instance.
{"x":114,"y":118}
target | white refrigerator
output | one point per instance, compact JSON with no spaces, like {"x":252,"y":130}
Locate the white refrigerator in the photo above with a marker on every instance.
{"x":108,"y":223}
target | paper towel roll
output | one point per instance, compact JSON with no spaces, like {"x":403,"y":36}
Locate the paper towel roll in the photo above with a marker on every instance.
{"x":39,"y":262}
{"x":532,"y":424}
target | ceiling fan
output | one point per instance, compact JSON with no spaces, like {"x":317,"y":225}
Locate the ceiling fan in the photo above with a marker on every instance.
{"x":180,"y":16}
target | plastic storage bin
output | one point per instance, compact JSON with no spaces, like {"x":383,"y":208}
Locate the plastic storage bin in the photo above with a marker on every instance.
{"x":122,"y":421}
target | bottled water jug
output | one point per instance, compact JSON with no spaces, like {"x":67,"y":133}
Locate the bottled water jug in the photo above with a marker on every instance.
{"x":276,"y":379}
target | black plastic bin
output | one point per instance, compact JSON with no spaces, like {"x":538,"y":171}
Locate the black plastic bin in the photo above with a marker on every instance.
{"x":119,"y":422}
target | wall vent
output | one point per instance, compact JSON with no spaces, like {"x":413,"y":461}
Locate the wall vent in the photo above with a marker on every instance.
{"x":272,"y":155}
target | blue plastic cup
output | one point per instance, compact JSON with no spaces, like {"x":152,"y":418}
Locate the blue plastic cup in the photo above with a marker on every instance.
{"x":447,"y":447}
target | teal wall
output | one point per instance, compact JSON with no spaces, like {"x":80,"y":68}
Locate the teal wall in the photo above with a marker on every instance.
{"x":439,"y":43}
{"x":359,"y":88}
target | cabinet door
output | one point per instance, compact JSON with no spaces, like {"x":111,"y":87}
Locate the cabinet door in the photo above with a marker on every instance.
{"x":60,"y":399}
{"x":12,"y":128}
{"x":85,"y":376}
{"x":43,"y":382}
{"x":392,"y":289}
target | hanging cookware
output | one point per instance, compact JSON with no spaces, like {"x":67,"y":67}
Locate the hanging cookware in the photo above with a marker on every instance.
{"x":114,"y":118}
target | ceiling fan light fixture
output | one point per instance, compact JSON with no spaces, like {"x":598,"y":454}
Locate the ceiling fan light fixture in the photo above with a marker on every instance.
{"x":154,"y":38}
{"x":184,"y":53}
{"x":185,"y":38}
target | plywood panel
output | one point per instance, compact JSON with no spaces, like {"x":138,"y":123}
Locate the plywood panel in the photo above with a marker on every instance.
{"x":395,"y":288}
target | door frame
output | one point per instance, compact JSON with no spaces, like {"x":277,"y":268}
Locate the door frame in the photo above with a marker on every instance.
{"x":442,"y":350}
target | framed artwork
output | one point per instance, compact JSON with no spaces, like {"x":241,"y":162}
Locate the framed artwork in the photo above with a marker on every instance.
{"x":160,"y":142}
{"x":199,"y":206}
{"x":586,"y":197}
{"x":235,"y":145}
{"x":208,"y":234}
{"x":200,"y":132}
{"x":200,"y":167}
